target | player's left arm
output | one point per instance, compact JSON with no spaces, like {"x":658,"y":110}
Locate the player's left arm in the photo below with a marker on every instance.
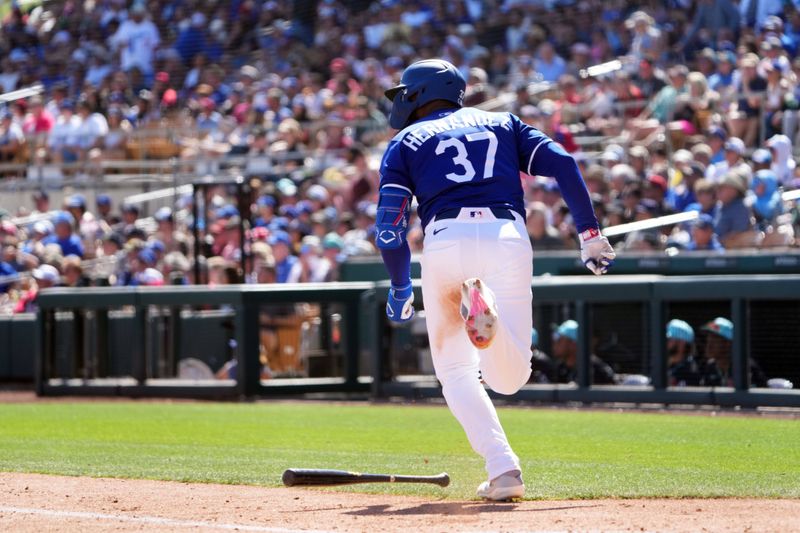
{"x":543,"y":157}
{"x":391,"y":225}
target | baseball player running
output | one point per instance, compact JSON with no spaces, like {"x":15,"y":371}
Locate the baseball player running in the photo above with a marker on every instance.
{"x":463,"y":166}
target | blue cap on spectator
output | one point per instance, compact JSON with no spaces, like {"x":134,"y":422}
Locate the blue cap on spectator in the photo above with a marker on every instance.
{"x":63,"y":217}
{"x":304,"y":207}
{"x":279,"y":236}
{"x":762,"y":156}
{"x":75,"y":201}
{"x":550,"y":186}
{"x":299,"y":225}
{"x":102,"y":199}
{"x":568,"y":329}
{"x":157,"y":245}
{"x":718,"y":132}
{"x":288,"y":211}
{"x":735,"y":144}
{"x":331,"y":213}
{"x":226,"y":211}
{"x":130,"y":208}
{"x":67,"y":104}
{"x":534,"y":337}
{"x":147,"y":255}
{"x":279,"y":224}
{"x":394,"y":62}
{"x":163,"y":214}
{"x":265,"y":201}
{"x":704,"y":221}
{"x":680,"y":330}
{"x":720,"y":326}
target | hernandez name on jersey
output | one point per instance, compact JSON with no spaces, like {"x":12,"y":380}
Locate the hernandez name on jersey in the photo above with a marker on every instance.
{"x":453,"y":155}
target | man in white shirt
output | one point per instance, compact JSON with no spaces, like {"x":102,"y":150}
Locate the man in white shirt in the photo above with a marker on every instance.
{"x":62,"y":139}
{"x":136,"y":39}
{"x":92,"y":129}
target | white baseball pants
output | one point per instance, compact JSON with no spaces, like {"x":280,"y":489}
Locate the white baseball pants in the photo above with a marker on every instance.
{"x":498,"y":251}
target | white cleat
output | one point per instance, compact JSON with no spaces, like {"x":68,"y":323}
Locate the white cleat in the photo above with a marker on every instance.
{"x":479,"y":311}
{"x":506,"y":487}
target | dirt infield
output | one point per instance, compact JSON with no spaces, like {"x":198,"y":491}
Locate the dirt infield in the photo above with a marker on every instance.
{"x":30,"y":502}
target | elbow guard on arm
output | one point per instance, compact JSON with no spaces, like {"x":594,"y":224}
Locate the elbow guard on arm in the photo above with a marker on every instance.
{"x":394,"y":208}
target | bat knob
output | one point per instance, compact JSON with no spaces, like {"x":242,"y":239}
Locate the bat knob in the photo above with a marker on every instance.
{"x":444,"y":479}
{"x":289,"y":478}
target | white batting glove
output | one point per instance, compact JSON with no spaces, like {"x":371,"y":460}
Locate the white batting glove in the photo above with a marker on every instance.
{"x":596,"y":252}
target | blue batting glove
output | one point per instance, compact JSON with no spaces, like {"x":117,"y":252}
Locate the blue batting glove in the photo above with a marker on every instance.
{"x":400,"y":306}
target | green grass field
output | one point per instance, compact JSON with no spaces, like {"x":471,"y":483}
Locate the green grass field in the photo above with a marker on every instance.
{"x":565,"y":454}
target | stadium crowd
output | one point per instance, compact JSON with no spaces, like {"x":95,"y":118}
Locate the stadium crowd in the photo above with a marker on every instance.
{"x":667,"y":106}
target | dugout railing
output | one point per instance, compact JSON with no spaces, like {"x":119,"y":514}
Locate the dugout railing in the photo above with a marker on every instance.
{"x":78,"y":332}
{"x":369,"y":345}
{"x":578,"y":298}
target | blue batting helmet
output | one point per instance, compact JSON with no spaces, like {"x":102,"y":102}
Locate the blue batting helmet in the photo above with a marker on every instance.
{"x":422,"y":82}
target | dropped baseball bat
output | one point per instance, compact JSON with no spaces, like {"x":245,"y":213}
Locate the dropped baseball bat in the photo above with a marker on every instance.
{"x":311,"y":476}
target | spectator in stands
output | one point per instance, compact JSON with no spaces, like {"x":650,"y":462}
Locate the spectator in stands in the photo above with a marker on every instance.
{"x":683,"y":368}
{"x":115,"y":142}
{"x":73,"y":272}
{"x":733,"y":222}
{"x":91,"y":131}
{"x":733,"y":161}
{"x":281,"y":243}
{"x":548,"y":64}
{"x":761,"y":159}
{"x":712,"y":19}
{"x":647,"y":40}
{"x":565,"y":351}
{"x":648,"y":79}
{"x":62,"y":141}
{"x":767,"y":203}
{"x":136,"y":40}
{"x":542,"y":234}
{"x":743,"y":119}
{"x":680,"y":197}
{"x":783,"y":164}
{"x":12,"y":139}
{"x":706,"y":194}
{"x":104,"y":205}
{"x":8,"y":275}
{"x":723,"y":79}
{"x":44,"y":277}
{"x":38,"y":121}
{"x":703,"y":237}
{"x":63,"y":236}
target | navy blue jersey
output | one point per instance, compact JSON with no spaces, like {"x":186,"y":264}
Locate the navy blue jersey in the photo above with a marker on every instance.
{"x":472,"y":158}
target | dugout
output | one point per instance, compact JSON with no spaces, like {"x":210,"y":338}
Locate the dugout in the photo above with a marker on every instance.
{"x":362,"y":354}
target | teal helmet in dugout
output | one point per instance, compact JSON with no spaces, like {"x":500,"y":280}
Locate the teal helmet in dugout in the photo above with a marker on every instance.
{"x":680,"y":330}
{"x":422,"y":82}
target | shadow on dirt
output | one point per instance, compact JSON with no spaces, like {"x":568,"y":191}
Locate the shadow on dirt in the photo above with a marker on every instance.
{"x":455,"y":508}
